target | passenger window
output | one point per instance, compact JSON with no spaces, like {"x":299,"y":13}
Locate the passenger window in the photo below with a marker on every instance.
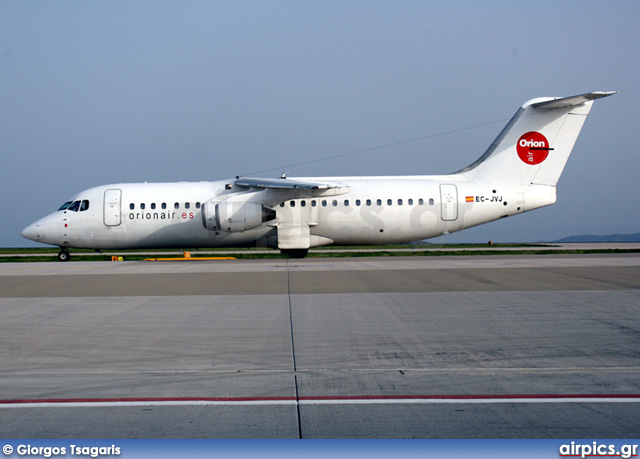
{"x":313,"y":203}
{"x":358,"y":202}
{"x":164,"y":205}
{"x":335,"y":202}
{"x":176,"y":205}
{"x":282,"y":204}
{"x":132,"y":206}
{"x":420,"y":201}
{"x":368,"y":202}
{"x":379,"y":202}
{"x":74,"y":206}
{"x":292,"y":203}
{"x":431,"y":202}
{"x":399,"y":202}
{"x":197,"y":205}
{"x":65,"y":206}
{"x":410,"y":202}
{"x":142,"y":206}
{"x":324,"y":203}
{"x":187,"y":205}
{"x":153,"y":205}
{"x":84,"y":206}
{"x":389,"y":202}
{"x":346,"y":203}
{"x":303,"y":203}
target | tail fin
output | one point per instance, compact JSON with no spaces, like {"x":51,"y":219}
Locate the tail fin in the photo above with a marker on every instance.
{"x":535,"y":145}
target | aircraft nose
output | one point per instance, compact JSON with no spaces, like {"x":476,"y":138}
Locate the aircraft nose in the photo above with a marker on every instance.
{"x":31,"y":232}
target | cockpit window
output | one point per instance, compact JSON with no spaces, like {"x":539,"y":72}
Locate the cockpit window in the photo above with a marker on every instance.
{"x":65,"y":205}
{"x":84,"y":205}
{"x":74,"y":206}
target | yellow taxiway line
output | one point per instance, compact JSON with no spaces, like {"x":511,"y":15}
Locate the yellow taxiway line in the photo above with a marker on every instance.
{"x":190,"y":259}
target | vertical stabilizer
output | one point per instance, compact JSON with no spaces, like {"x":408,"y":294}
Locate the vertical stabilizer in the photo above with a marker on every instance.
{"x":535,"y":145}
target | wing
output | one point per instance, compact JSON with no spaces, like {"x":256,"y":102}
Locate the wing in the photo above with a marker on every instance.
{"x":243,"y":210}
{"x":293,"y":188}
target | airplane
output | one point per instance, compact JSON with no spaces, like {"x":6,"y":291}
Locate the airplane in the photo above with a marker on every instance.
{"x":517,"y":173}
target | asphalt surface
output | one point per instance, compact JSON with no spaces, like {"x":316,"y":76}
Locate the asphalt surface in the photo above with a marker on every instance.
{"x":433,"y":347}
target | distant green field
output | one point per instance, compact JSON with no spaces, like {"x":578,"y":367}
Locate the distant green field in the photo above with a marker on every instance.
{"x":417,"y":246}
{"x":30,"y":255}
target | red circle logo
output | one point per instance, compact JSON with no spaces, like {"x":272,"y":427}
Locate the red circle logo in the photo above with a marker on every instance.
{"x":533,"y":148}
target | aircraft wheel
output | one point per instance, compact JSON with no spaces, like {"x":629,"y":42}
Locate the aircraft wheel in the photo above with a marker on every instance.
{"x":296,"y":253}
{"x":64,"y":255}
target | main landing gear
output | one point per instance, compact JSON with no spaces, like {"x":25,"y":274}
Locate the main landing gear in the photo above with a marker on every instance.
{"x":295,"y":253}
{"x":64,"y":255}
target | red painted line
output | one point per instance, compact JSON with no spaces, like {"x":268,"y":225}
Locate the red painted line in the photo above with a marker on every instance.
{"x":321,"y":398}
{"x":147,"y":399}
{"x":466,"y":397}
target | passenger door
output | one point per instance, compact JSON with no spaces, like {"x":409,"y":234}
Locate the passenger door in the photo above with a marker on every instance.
{"x":112,"y":207}
{"x":449,"y":202}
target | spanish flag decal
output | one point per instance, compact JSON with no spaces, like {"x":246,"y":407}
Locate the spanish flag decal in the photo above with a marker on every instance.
{"x":470,"y":199}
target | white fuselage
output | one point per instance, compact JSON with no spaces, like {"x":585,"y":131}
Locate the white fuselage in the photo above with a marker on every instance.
{"x":373,"y":211}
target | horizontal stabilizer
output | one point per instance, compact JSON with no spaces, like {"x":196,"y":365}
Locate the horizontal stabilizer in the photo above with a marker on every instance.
{"x":573,"y":101}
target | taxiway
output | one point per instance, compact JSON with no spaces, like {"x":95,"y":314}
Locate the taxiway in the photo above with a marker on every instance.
{"x":416,"y":347}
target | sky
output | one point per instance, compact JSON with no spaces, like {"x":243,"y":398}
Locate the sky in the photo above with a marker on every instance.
{"x":93,"y":93}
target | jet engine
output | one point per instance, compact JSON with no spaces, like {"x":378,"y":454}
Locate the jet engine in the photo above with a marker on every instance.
{"x":235,"y":216}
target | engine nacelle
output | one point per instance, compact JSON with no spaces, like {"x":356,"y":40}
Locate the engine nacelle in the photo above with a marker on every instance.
{"x":235,"y":216}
